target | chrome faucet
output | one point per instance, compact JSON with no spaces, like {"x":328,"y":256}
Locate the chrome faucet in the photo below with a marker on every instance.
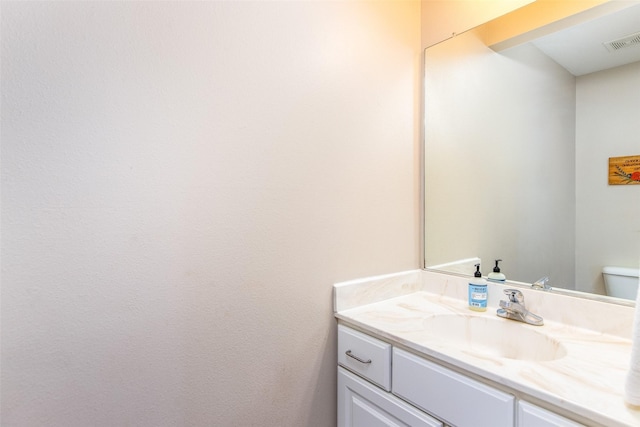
{"x":515,"y":309}
{"x":542,"y":283}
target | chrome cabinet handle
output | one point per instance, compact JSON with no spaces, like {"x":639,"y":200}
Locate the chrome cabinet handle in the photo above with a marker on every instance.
{"x":353,"y":356}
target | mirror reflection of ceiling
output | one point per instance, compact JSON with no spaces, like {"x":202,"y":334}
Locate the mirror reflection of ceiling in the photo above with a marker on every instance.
{"x":582,"y":49}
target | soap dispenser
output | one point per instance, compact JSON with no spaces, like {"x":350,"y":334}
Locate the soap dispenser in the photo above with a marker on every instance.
{"x":496,"y":276}
{"x":477,"y":291}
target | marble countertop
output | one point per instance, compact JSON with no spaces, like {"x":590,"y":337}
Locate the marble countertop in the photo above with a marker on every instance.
{"x":586,"y":380}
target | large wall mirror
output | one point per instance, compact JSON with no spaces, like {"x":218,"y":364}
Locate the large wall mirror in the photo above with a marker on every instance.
{"x":517,"y":145}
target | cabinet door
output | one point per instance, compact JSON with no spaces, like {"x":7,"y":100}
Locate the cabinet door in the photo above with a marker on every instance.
{"x":533,"y":416}
{"x":361,"y":404}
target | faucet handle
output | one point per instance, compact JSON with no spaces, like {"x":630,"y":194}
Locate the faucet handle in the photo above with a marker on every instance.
{"x":514,"y":295}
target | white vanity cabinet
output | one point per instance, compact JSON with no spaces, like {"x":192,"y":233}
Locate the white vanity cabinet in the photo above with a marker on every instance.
{"x":380,"y":385}
{"x":530,"y":415}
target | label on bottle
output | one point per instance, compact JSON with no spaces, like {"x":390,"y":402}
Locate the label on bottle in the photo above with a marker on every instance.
{"x":477,"y":295}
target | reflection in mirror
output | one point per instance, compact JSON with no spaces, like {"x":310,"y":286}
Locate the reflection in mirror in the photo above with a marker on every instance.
{"x":516,"y":151}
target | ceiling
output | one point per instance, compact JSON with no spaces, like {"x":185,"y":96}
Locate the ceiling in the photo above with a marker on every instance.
{"x":581,"y":49}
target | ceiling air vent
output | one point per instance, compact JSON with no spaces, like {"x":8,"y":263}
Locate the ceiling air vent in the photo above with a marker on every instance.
{"x":626,"y":41}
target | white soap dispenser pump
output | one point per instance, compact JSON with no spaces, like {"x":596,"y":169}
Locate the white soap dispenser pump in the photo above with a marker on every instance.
{"x":496,"y":275}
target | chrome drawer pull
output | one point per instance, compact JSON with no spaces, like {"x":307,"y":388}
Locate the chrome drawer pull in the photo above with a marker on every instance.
{"x":348,"y":353}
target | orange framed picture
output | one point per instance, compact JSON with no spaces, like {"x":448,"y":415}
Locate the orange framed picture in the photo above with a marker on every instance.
{"x":624,"y":170}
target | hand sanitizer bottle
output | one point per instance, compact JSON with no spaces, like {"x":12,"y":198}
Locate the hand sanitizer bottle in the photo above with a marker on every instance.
{"x":477,"y":292}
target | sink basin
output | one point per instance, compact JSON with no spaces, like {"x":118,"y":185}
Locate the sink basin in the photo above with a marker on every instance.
{"x":494,"y":337}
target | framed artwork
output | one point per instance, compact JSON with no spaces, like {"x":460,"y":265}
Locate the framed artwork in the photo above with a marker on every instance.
{"x":624,"y":170}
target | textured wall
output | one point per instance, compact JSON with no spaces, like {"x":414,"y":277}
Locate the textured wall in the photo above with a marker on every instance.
{"x":182,"y":182}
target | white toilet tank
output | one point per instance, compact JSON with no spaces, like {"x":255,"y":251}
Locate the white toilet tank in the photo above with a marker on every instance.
{"x":621,"y":282}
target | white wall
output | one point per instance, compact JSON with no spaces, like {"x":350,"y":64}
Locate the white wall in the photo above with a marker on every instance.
{"x":182,"y":183}
{"x":607,"y":216}
{"x":499,"y":159}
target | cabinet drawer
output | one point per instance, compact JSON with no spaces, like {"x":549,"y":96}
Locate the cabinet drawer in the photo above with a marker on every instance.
{"x":448,"y":395}
{"x":533,"y":416}
{"x":365,"y":355}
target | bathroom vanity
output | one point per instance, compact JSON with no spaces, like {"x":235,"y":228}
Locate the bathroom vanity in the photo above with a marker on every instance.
{"x":411,"y":353}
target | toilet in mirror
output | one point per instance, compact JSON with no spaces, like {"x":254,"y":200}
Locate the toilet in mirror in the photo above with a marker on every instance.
{"x":621,"y":282}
